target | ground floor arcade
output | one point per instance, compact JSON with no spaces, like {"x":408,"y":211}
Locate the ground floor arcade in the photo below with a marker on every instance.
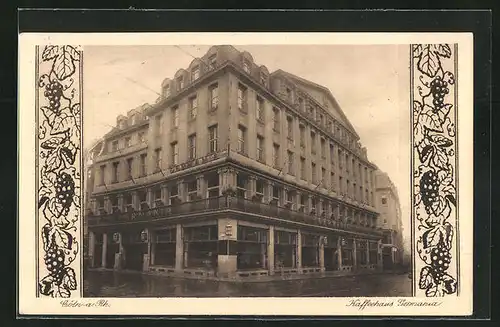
{"x":232,"y":248}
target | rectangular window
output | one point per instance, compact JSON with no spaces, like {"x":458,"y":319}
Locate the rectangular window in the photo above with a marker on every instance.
{"x":130,"y":163}
{"x":195,"y":73}
{"x":175,"y":116}
{"x":214,"y":96}
{"x":142,"y":137}
{"x":290,"y":163}
{"x":212,"y":61}
{"x":340,"y":158}
{"x":321,"y":119}
{"x":313,"y":172}
{"x":301,"y":104}
{"x":193,"y":107}
{"x":276,"y":155}
{"x":192,"y":146}
{"x":259,"y":110}
{"x":333,"y":183}
{"x":241,"y":139}
{"x":289,"y":127}
{"x":302,"y":130}
{"x":102,"y":174}
{"x":241,"y":185}
{"x":260,"y":148}
{"x":323,"y":148}
{"x":323,"y":176}
{"x":213,"y":139}
{"x":174,"y":148}
{"x":158,"y":159}
{"x":313,"y":143}
{"x":114,"y":146}
{"x":115,"y":172}
{"x":192,"y":189}
{"x":143,"y":164}
{"x":128,"y":141}
{"x":276,"y":120}
{"x":341,"y":185}
{"x":289,"y":94}
{"x":242,"y":97}
{"x":159,"y":123}
{"x":332,"y":154}
{"x":303,"y":168}
{"x":384,"y":200}
{"x":276,"y":194}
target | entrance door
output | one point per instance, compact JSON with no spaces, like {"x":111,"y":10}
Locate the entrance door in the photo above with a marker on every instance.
{"x":134,"y":255}
{"x":331,"y":259}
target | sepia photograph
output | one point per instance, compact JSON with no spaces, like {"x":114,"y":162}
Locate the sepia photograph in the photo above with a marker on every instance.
{"x":233,"y":171}
{"x":211,"y":169}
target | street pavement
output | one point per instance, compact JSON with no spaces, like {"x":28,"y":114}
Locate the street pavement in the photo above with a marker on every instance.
{"x":124,"y":284}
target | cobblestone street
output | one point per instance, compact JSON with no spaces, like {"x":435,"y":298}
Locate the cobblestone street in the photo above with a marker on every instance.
{"x":122,"y":284}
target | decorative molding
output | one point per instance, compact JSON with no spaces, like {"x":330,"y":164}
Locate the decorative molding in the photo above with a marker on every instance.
{"x":434,"y":165}
{"x":59,"y":169}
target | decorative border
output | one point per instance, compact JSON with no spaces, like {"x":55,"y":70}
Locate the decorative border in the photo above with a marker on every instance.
{"x":434,"y":164}
{"x":58,"y":148}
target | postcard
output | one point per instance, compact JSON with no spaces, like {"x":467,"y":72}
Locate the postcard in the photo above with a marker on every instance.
{"x":298,"y":174}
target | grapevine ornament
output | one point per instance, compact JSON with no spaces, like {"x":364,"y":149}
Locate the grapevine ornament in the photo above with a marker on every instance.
{"x":434,"y":191}
{"x":60,"y":180}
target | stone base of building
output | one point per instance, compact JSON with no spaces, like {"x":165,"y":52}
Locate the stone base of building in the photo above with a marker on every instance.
{"x":251,"y":275}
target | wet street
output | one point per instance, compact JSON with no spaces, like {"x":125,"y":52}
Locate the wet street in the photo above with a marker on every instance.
{"x":113,"y":284}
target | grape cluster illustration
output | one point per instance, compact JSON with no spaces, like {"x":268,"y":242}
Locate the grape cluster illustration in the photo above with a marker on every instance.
{"x":441,"y":259}
{"x":53,"y":92}
{"x":54,"y":260}
{"x":439,"y":89}
{"x":429,"y":188}
{"x":65,"y":190}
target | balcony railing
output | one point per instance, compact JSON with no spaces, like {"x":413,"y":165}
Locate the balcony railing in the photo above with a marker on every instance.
{"x":225,"y":203}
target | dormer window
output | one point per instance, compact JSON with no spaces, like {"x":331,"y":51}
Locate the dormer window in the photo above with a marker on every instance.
{"x":246,"y":66}
{"x":180,"y":83}
{"x":212,"y":61}
{"x":263,"y":78}
{"x":166,"y":91}
{"x":195,"y":73}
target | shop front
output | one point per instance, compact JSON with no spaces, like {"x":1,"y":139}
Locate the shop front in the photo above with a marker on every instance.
{"x":135,"y":246}
{"x":200,"y":247}
{"x":331,"y":253}
{"x":285,"y":250}
{"x":251,"y":248}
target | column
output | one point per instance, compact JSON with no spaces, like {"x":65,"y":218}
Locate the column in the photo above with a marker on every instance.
{"x":322,"y":253}
{"x":147,"y":256}
{"x":135,"y":200}
{"x":339,"y":252}
{"x":309,"y":204}
{"x":227,"y":262}
{"x":270,"y":250}
{"x":299,"y":250}
{"x":179,"y":249}
{"x":200,"y":186}
{"x":93,"y":206}
{"x":181,"y":190}
{"x":119,"y":254}
{"x":104,"y":249}
{"x":107,"y":205}
{"x":91,"y":248}
{"x":149,"y":197}
{"x":368,"y":263}
{"x":222,"y":180}
{"x":252,"y":186}
{"x":379,"y":253}
{"x":121,"y":207}
{"x":164,"y":194}
{"x":354,"y":256}
{"x":268,"y":192}
{"x":320,"y":203}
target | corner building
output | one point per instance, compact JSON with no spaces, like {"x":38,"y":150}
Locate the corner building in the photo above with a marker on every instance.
{"x":234,"y":173}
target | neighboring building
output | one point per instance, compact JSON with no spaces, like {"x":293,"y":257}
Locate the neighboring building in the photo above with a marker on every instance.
{"x":236,"y":173}
{"x":389,"y":220}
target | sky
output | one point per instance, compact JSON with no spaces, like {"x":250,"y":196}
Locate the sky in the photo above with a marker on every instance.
{"x":370,"y":83}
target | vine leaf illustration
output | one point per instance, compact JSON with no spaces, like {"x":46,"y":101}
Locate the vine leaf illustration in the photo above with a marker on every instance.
{"x":450,"y":284}
{"x":62,"y":123}
{"x":50,"y":52}
{"x":428,"y":57}
{"x":426,"y":279}
{"x":64,"y":63}
{"x":52,"y":143}
{"x":69,"y":279}
{"x":430,"y":120}
{"x":441,"y":141}
{"x":432,"y":237}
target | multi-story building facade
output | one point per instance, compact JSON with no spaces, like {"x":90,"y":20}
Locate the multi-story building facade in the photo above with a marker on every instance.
{"x":390,"y":220}
{"x":236,"y":173}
